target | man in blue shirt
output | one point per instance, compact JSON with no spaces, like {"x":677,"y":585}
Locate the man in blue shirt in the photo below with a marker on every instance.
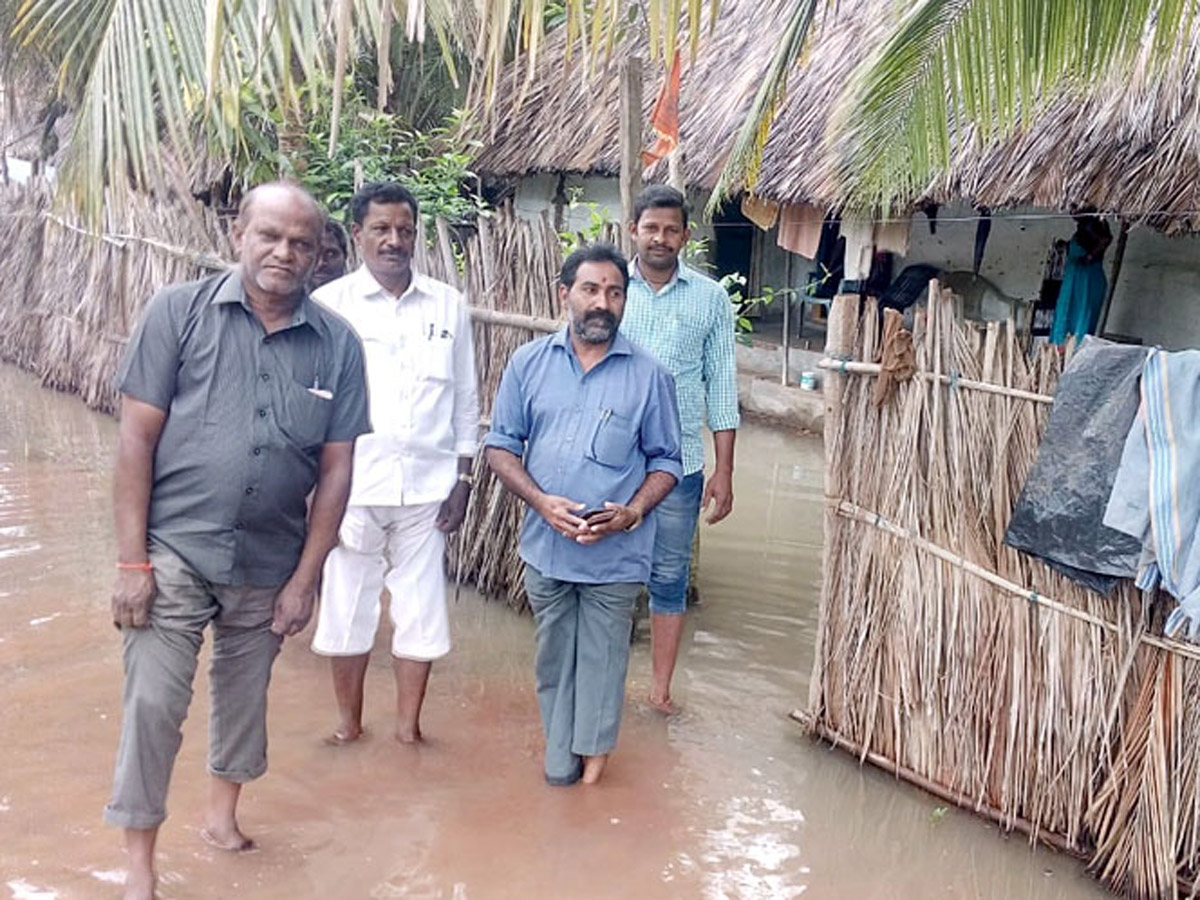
{"x":585,"y":430}
{"x":685,"y":320}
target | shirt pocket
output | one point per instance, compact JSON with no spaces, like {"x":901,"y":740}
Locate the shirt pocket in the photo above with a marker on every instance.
{"x":435,"y":359}
{"x":613,"y":440}
{"x":303,"y":416}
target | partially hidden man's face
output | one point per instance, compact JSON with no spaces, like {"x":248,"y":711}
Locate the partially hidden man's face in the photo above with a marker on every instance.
{"x":331,"y":264}
{"x":387,"y":238}
{"x":277,"y":242}
{"x":595,"y":302}
{"x":660,"y":235}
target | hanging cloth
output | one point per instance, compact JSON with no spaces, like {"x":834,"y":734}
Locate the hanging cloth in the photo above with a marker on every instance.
{"x":800,"y":229}
{"x":665,"y":118}
{"x":860,"y":249}
{"x":892,"y":236}
{"x":1155,"y":497}
{"x":762,"y":213}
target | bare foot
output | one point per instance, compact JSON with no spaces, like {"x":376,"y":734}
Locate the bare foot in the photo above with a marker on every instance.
{"x":140,"y":885}
{"x":227,"y":838}
{"x":664,"y":705}
{"x":345,"y":735}
{"x":593,"y":768}
{"x":409,"y":735}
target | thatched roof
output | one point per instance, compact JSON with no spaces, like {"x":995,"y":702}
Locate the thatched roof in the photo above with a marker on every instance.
{"x":565,"y":120}
{"x":1126,"y":147}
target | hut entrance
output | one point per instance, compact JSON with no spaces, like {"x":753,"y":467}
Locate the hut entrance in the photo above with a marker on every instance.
{"x":733,"y":246}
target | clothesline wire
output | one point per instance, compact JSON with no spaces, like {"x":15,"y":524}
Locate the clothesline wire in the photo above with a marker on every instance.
{"x":994,"y":217}
{"x":937,"y":220}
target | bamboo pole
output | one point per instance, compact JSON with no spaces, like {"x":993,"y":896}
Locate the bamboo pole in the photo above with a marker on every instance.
{"x":865,"y":368}
{"x":866,"y":517}
{"x":515,"y":320}
{"x":630,"y":138}
{"x":839,"y":340}
{"x":961,"y":800}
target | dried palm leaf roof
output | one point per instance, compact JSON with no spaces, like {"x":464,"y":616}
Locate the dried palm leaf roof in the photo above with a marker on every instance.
{"x":565,"y":118}
{"x":1127,"y":145}
{"x":1124,"y":146}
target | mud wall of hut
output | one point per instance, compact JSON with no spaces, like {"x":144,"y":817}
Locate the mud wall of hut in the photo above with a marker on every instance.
{"x":968,"y":668}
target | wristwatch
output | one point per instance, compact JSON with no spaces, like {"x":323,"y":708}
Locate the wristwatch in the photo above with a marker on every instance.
{"x":466,"y":478}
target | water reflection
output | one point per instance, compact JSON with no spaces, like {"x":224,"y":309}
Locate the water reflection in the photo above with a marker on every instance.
{"x":727,"y":800}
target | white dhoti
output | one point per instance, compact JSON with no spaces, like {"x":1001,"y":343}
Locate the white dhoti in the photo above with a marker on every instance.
{"x":396,"y":547}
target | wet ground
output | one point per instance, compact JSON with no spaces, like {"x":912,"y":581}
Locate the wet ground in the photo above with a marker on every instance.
{"x":728,"y":800}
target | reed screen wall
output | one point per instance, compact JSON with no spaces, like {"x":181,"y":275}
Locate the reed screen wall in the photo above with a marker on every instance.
{"x":971,"y":669}
{"x":71,"y":297}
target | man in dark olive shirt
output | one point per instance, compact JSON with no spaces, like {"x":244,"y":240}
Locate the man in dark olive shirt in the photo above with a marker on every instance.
{"x":239,"y":395}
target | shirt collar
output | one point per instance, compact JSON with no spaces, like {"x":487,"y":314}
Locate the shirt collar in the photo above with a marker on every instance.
{"x":620,"y":345}
{"x":232,"y":290}
{"x":368,"y":286}
{"x":682,"y":273}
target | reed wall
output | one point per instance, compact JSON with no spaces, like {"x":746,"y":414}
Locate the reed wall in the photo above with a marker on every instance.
{"x":971,"y":669}
{"x":72,"y":296}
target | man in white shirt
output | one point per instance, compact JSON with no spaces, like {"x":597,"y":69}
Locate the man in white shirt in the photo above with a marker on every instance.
{"x":412,"y":476}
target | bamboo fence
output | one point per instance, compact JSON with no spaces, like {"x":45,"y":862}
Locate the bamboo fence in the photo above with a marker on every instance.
{"x":73,"y":296}
{"x":964,"y":666}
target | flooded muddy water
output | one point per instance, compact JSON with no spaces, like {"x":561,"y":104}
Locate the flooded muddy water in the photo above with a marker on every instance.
{"x":727,"y":800}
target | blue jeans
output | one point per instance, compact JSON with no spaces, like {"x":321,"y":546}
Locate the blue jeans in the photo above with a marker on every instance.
{"x":581,"y":661}
{"x":675,"y":525}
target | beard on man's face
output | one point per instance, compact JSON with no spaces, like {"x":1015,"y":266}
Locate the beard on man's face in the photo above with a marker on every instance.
{"x":596,"y":327}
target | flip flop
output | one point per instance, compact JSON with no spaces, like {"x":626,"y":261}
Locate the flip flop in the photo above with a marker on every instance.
{"x":246,"y":846}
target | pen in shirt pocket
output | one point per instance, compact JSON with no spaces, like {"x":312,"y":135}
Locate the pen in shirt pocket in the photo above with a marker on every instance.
{"x":316,"y":390}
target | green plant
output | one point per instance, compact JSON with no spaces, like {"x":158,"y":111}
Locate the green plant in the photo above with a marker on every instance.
{"x":156,"y":88}
{"x":377,"y":146}
{"x":735,"y":285}
{"x":695,"y":252}
{"x":573,"y":240}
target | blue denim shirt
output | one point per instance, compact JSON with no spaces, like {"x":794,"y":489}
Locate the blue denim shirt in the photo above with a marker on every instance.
{"x":589,"y":437}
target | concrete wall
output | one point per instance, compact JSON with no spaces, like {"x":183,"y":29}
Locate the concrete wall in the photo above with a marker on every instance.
{"x":1158,"y":293}
{"x":536,"y":193}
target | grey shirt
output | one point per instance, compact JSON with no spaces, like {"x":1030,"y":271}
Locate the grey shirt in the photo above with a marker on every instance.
{"x":247,"y":413}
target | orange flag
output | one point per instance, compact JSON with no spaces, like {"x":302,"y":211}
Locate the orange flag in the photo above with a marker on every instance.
{"x":665,"y":119}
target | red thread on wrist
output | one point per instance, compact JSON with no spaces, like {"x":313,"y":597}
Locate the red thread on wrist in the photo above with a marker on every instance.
{"x":139,"y":567}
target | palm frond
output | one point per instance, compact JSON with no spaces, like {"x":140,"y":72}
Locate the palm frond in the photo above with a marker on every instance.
{"x":957,"y":74}
{"x":741,"y":169}
{"x":139,"y":72}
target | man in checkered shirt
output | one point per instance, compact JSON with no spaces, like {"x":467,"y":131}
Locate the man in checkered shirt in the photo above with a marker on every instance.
{"x":684,"y":319}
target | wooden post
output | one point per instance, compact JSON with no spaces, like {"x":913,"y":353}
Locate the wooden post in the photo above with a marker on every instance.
{"x":631,"y":140}
{"x":839,"y":343}
{"x":675,"y":174}
{"x":384,"y":89}
{"x":787,"y":336}
{"x":1118,"y":262}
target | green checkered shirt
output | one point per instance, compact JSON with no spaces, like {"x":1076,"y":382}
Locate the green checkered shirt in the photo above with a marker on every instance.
{"x":688,"y":326}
